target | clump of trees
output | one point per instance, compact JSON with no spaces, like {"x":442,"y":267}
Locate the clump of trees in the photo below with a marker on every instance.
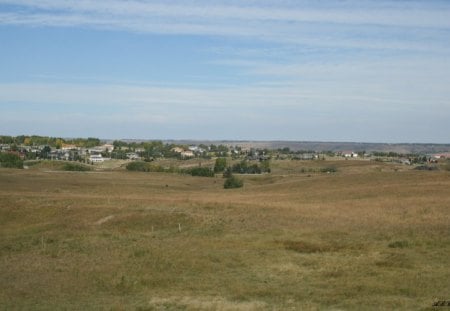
{"x":56,"y":142}
{"x":10,"y":160}
{"x":244,"y":167}
{"x":200,"y":171}
{"x":220,"y":150}
{"x":141,"y":166}
{"x":387,"y":154}
{"x":326,"y":169}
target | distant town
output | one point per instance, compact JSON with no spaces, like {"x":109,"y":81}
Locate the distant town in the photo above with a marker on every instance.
{"x":94,"y":150}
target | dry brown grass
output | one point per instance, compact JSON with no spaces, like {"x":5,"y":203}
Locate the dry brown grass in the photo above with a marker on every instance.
{"x":371,"y":236}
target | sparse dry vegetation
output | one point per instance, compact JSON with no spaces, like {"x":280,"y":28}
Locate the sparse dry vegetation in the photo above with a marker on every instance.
{"x":369,"y":236}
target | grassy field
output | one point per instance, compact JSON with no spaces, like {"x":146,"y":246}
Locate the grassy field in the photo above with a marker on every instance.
{"x":370,"y":236}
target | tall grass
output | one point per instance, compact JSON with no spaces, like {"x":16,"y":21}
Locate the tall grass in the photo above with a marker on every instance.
{"x":368,"y":237}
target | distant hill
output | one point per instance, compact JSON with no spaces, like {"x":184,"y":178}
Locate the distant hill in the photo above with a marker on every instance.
{"x":326,"y":146}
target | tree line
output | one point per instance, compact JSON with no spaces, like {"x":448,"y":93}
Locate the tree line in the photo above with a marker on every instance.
{"x":55,"y":142}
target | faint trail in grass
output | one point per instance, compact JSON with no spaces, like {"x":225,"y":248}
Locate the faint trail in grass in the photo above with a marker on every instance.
{"x":104,"y":219}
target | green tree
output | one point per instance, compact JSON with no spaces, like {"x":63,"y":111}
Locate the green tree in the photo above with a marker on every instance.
{"x":201,"y":171}
{"x":6,"y":139}
{"x":59,"y":142}
{"x":10,"y":160}
{"x":265,"y":166}
{"x":220,"y":165}
{"x":45,"y":152}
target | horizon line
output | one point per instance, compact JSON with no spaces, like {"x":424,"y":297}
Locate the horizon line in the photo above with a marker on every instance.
{"x":234,"y":140}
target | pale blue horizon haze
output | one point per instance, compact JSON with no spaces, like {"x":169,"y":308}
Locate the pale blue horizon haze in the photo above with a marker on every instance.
{"x":364,"y":71}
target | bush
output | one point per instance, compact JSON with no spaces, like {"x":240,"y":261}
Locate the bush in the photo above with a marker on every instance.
{"x":10,"y":160}
{"x":138,"y":166}
{"x":245,"y":168}
{"x":220,"y":165}
{"x":201,"y":171}
{"x":75,"y":167}
{"x":233,"y":182}
{"x":329,"y":169}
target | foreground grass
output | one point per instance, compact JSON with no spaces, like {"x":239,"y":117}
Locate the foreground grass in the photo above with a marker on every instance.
{"x":367,"y":237}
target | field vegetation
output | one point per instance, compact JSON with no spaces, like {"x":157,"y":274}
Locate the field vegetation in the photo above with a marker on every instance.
{"x":10,"y":160}
{"x":364,"y":236}
{"x":57,"y":165}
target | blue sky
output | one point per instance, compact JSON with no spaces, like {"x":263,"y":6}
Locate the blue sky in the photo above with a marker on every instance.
{"x":375,"y":71}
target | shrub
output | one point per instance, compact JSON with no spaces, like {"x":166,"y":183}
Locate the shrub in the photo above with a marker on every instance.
{"x":244,"y":167}
{"x":233,"y":182}
{"x":10,"y":160}
{"x":138,"y":166}
{"x":328,"y":169}
{"x":220,"y":165}
{"x":399,"y":244}
{"x":75,"y":167}
{"x":201,"y":171}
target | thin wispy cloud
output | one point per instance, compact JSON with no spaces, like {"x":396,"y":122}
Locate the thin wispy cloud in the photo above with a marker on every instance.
{"x":294,"y":24}
{"x":406,"y":14}
{"x":303,"y":65}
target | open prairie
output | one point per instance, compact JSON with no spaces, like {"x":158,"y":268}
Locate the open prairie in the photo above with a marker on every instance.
{"x":369,"y":236}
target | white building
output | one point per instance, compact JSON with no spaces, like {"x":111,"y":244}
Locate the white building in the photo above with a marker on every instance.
{"x":66,"y":147}
{"x":107,"y":147}
{"x":96,"y":158}
{"x":349,"y":154}
{"x":132,"y":156}
{"x":187,"y":154}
